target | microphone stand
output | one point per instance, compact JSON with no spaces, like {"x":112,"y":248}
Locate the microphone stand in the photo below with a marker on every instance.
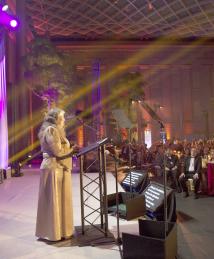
{"x":89,"y":127}
{"x":118,"y":239}
{"x":73,"y":117}
{"x":130,"y":161}
{"x":164,"y":184}
{"x":165,"y":197}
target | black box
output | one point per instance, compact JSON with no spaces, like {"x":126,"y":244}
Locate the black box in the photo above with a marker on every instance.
{"x":131,"y":205}
{"x":151,"y":242}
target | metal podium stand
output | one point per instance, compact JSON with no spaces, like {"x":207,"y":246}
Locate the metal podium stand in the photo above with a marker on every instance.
{"x":86,"y":194}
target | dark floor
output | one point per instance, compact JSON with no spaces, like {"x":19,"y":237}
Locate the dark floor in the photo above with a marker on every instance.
{"x":195,"y":227}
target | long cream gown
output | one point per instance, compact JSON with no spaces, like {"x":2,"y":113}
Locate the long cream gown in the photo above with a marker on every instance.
{"x":54,"y":214}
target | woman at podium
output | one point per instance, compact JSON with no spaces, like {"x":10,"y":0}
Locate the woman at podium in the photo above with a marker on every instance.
{"x":54,"y":214}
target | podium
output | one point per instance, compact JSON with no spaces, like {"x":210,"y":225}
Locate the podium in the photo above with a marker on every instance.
{"x":92,"y":233}
{"x":210,"y":178}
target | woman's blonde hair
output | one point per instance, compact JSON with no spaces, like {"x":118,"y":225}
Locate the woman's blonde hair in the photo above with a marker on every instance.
{"x":50,"y":120}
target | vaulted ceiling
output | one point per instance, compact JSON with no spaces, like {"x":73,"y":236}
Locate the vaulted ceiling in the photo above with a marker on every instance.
{"x":121,"y":19}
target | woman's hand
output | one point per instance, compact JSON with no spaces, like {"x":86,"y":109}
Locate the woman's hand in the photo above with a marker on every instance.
{"x":75,"y":149}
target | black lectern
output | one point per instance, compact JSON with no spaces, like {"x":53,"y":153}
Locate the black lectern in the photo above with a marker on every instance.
{"x":87,"y":192}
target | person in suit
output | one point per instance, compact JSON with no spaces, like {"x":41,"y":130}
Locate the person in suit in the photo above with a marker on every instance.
{"x":171,"y":168}
{"x":159,"y":161}
{"x":192,"y":170}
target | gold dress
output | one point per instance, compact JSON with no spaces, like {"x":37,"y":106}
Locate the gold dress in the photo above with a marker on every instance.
{"x":54,"y":214}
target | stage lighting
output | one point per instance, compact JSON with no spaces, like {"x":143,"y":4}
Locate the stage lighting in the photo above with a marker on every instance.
{"x":13,"y":23}
{"x":16,"y":168}
{"x":5,"y":8}
{"x":6,"y":19}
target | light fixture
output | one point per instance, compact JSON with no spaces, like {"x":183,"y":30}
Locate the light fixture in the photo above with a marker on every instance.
{"x":5,"y":8}
{"x":13,"y":23}
{"x":7,"y":19}
{"x":16,"y":167}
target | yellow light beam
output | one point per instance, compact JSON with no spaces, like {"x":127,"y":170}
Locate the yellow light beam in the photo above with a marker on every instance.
{"x":151,"y":49}
{"x":110,"y":74}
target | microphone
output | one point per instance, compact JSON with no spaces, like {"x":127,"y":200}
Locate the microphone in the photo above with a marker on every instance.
{"x":81,"y":121}
{"x":74,"y":117}
{"x":69,"y":116}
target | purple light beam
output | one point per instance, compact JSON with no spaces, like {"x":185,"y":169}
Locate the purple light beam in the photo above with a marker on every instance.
{"x":3,"y":111}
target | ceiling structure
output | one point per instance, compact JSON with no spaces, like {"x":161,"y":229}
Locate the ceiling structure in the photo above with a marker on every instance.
{"x":121,"y":19}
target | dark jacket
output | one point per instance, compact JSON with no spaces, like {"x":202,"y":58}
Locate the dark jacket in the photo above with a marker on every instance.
{"x":171,"y":161}
{"x":197,"y":164}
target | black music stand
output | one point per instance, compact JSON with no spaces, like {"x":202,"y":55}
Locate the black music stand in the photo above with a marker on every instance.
{"x":94,"y":234}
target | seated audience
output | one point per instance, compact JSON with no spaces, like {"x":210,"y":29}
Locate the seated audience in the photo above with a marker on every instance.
{"x":171,"y":167}
{"x":192,"y":170}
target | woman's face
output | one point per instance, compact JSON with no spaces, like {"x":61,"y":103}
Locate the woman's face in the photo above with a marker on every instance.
{"x":61,"y":120}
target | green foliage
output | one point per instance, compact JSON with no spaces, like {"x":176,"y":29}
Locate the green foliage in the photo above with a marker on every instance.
{"x":47,"y":71}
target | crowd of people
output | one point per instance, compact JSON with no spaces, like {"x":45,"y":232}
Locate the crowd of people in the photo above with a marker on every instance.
{"x":183,"y":161}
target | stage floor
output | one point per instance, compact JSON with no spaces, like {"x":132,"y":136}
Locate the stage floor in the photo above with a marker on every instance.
{"x":18,"y":205}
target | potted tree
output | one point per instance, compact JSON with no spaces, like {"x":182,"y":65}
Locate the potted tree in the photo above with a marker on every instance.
{"x":47,"y":71}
